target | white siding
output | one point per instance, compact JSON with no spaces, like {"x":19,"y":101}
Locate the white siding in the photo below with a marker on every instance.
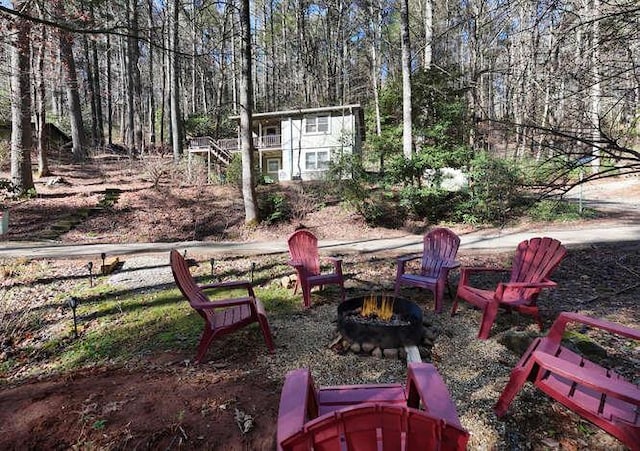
{"x":296,"y":143}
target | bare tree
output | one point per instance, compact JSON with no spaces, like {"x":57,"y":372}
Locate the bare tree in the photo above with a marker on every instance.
{"x":176,"y":117}
{"x":251,"y":213}
{"x":73,"y":95}
{"x":21,"y":133}
{"x":407,"y":124}
{"x":41,"y":109}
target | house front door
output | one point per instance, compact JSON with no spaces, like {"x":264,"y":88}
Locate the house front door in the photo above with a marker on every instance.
{"x":274,"y":165}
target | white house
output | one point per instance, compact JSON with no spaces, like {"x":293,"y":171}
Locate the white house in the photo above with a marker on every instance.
{"x":299,"y":144}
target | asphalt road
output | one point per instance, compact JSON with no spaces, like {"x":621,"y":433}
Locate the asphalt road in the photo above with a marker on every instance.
{"x":619,"y":196}
{"x":486,"y":240}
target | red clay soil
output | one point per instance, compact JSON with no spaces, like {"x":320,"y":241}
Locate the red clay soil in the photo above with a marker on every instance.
{"x":169,"y":407}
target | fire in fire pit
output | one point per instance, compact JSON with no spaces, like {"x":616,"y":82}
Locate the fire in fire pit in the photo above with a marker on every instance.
{"x":381,"y":321}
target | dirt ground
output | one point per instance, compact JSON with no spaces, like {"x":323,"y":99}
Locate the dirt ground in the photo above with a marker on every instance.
{"x":162,"y":401}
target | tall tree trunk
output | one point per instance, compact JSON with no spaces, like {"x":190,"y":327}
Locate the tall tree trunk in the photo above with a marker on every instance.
{"x":92,"y":94}
{"x":596,"y":89}
{"x":21,"y":133}
{"x":152,"y":99}
{"x":251,"y":214}
{"x":41,"y":110}
{"x":109,"y":94}
{"x":428,"y":33}
{"x":130,"y":64}
{"x":134,"y":67}
{"x":73,"y":96}
{"x":176,"y":125}
{"x":98,"y":93}
{"x":407,"y":140}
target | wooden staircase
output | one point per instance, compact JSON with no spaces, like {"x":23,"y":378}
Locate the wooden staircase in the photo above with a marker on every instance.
{"x":206,"y":144}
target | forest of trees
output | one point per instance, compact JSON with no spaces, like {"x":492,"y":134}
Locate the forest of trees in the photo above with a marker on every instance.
{"x":534,"y":78}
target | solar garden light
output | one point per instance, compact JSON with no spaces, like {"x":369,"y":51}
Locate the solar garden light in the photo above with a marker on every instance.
{"x":90,"y":268}
{"x":213,"y":262}
{"x":103,"y":256}
{"x":253,"y":268}
{"x":73,"y":303}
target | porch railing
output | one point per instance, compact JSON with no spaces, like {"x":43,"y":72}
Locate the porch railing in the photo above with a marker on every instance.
{"x":262,"y":142}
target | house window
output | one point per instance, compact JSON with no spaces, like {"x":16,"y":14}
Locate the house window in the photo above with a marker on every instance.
{"x":317,"y":124}
{"x":316,"y":160}
{"x":273,"y":165}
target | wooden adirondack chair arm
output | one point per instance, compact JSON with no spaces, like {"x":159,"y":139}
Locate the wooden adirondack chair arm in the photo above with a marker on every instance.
{"x":407,"y":258}
{"x":557,"y":329}
{"x":216,"y":304}
{"x":336,"y":261}
{"x":502,"y":286}
{"x":617,"y":388}
{"x":231,"y":285}
{"x":297,"y":403}
{"x":425,"y":386}
{"x":474,"y":269}
{"x":295,"y":263}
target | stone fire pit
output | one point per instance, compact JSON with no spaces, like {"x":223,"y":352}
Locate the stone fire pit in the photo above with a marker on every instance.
{"x":388,"y":337}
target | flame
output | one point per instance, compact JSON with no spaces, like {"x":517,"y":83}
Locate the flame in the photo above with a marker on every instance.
{"x":383,"y":309}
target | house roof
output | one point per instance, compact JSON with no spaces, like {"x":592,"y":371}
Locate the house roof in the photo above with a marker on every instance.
{"x":299,"y":112}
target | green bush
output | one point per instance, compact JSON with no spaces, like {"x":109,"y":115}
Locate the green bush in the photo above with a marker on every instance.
{"x":495,"y":189}
{"x":382,"y":210}
{"x":274,"y":207}
{"x":426,"y":203}
{"x":200,"y":125}
{"x":233,"y":175}
{"x":558,"y":210}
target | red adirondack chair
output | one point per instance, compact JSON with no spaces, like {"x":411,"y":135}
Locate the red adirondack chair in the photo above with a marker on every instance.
{"x":598,"y":394}
{"x":304,"y":257}
{"x":220,"y":316}
{"x":440,"y":247}
{"x":533,"y":263}
{"x":369,"y":417}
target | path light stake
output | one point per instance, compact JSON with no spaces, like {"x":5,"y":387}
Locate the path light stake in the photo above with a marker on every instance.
{"x":103,"y":256}
{"x":253,"y":268}
{"x":213,"y":262}
{"x":90,"y":268}
{"x":73,"y":303}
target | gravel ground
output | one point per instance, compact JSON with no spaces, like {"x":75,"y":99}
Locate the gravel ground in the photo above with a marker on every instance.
{"x":475,"y":371}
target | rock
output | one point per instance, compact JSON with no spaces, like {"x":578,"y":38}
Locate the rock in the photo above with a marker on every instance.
{"x":425,"y":353}
{"x":431,"y":334}
{"x":584,"y":345}
{"x":346,"y":344}
{"x":289,"y":281}
{"x":377,"y":352}
{"x":355,"y":347}
{"x":428,"y":342}
{"x":286,"y":282}
{"x":57,"y":181}
{"x":367,"y":347}
{"x":390,"y":353}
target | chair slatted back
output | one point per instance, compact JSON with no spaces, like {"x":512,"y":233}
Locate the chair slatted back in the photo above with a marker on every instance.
{"x":303,"y":247}
{"x":440,"y":246}
{"x":374,"y":427}
{"x":535,"y":260}
{"x":186,"y":283}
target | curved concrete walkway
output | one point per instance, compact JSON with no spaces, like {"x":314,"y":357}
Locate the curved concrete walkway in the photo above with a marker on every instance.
{"x":485,"y":240}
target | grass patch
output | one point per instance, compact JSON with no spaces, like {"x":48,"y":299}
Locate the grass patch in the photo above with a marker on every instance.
{"x":117,"y":326}
{"x":559,"y":211}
